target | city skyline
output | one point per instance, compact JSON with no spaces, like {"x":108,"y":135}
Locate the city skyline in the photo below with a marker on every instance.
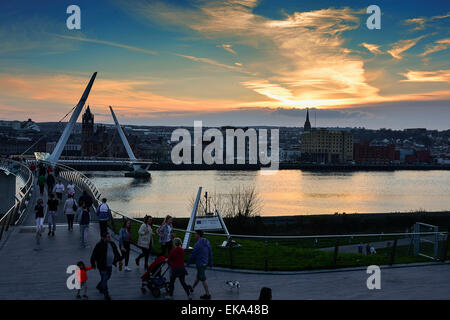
{"x":241,"y":63}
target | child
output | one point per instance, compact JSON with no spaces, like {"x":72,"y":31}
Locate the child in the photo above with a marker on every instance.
{"x":176,"y":262}
{"x":82,"y":278}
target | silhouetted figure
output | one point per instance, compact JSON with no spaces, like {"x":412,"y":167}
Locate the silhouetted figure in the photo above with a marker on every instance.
{"x":265,"y":294}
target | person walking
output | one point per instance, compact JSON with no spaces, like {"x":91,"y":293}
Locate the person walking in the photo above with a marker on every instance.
{"x":84,"y":219}
{"x":85,"y":199}
{"x":70,"y":189}
{"x":165,"y":232}
{"x":41,"y":183}
{"x":104,"y":256}
{"x":39,"y":215}
{"x":82,"y":279}
{"x":70,"y":209}
{"x":202,"y":256}
{"x":50,"y":183}
{"x":103,"y":214}
{"x":33,"y":168}
{"x":125,"y":242}
{"x":59,"y":189}
{"x":176,"y":262}
{"x":145,"y":240}
{"x":52,"y":205}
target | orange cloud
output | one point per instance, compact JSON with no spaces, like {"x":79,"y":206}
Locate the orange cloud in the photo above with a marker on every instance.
{"x":440,"y":45}
{"x":401,"y":46}
{"x":375,"y":49}
{"x":427,"y":76}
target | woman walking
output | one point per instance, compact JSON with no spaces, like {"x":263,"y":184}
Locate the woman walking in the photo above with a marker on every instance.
{"x":59,"y":189}
{"x":165,"y":232}
{"x":70,"y":209}
{"x":39,"y":210}
{"x":41,"y":183}
{"x":70,"y":189}
{"x":145,"y":241}
{"x":125,"y":242}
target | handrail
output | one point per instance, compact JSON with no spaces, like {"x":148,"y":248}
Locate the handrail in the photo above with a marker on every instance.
{"x":25,"y":174}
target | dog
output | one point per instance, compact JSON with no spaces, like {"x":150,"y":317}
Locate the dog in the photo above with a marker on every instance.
{"x":233,"y":285}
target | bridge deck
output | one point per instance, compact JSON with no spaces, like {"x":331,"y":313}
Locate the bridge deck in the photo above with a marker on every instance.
{"x":29,"y":274}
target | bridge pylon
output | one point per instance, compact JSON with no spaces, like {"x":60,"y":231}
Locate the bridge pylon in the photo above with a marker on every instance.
{"x":54,"y":157}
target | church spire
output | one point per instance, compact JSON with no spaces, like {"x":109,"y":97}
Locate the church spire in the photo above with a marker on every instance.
{"x":307,"y":126}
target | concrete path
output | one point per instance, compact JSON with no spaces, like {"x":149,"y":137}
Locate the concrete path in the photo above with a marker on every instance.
{"x":29,"y":274}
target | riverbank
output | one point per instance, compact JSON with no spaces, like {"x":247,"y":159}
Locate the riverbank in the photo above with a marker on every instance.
{"x":329,"y":224}
{"x":249,"y":167}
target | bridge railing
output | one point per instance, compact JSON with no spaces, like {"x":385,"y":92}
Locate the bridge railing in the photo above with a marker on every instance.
{"x":16,"y":213}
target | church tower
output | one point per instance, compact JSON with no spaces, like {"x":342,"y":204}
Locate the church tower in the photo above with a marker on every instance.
{"x":87,"y":131}
{"x":307,"y":126}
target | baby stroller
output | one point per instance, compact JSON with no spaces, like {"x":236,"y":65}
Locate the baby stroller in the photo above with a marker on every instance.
{"x":154,"y":278}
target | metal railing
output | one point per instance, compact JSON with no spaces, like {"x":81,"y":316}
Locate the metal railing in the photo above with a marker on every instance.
{"x":273,"y":253}
{"x":15,"y":214}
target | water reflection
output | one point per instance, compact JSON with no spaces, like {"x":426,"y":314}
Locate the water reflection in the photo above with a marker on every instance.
{"x":287,"y":192}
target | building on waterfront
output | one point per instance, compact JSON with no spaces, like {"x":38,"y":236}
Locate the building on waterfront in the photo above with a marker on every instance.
{"x":364,"y":152}
{"x":324,"y":145}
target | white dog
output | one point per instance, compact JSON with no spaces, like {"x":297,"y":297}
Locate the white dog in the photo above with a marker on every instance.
{"x":232,"y":285}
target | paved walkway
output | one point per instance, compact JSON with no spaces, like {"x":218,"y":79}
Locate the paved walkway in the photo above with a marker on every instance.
{"x":29,"y":274}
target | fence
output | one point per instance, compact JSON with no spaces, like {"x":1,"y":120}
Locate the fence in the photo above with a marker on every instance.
{"x":16,"y":212}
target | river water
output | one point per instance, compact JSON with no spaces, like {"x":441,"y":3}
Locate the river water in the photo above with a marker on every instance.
{"x":287,"y":192}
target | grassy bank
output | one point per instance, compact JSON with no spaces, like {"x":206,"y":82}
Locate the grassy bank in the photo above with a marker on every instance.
{"x":301,"y":254}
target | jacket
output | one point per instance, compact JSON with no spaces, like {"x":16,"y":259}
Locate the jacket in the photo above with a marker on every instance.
{"x":81,"y":274}
{"x":58,"y":188}
{"x":202,"y":253}
{"x":85,"y":199}
{"x":164,"y":234}
{"x":98,"y":257}
{"x":68,"y":206}
{"x":41,"y":180}
{"x":50,"y":180}
{"x":103,"y":212}
{"x":84,"y":218}
{"x":176,"y":258}
{"x":145,"y":236}
{"x":123,"y":236}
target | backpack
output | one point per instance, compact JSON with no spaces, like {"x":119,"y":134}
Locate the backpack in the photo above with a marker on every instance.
{"x":74,"y":205}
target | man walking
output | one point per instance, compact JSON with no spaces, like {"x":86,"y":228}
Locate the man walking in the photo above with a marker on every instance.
{"x":85,"y":200}
{"x":202,"y":256}
{"x":103,"y":214}
{"x":104,"y":256}
{"x":50,"y":183}
{"x":52,"y":205}
{"x":84,"y":219}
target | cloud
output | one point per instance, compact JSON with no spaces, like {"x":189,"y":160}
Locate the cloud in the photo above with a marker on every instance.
{"x":439,"y":46}
{"x":427,"y":76}
{"x":108,"y":43}
{"x":213,"y":62}
{"x":422,"y":22}
{"x":227,"y":47}
{"x":401,"y":46}
{"x":375,"y":49}
{"x":419,"y":22}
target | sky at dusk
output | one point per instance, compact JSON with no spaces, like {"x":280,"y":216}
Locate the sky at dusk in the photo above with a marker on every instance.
{"x":231,"y":62}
